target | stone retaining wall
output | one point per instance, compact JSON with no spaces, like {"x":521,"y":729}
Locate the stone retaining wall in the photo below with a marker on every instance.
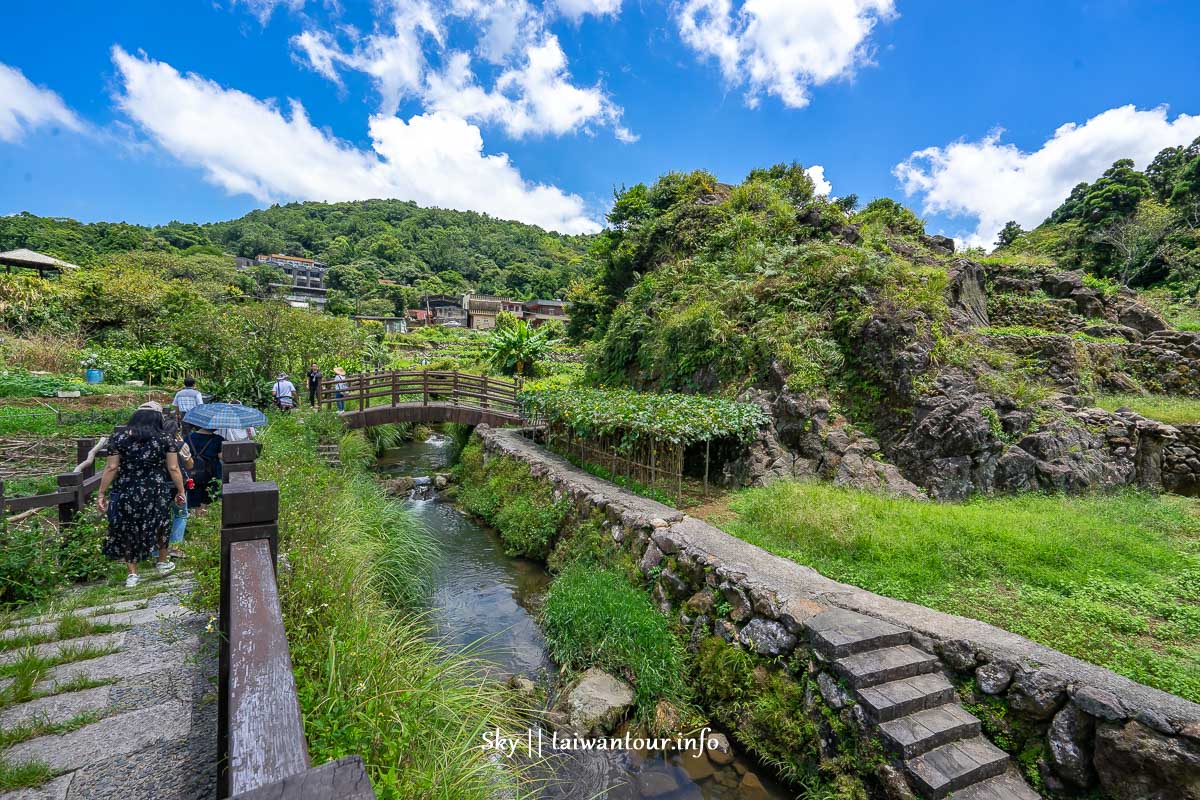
{"x":889,"y":666}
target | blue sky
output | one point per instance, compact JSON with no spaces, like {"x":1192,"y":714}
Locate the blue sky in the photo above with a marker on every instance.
{"x":536,"y":111}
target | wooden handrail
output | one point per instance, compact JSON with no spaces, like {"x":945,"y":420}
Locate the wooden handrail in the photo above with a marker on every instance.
{"x":262,"y":751}
{"x":74,"y":488}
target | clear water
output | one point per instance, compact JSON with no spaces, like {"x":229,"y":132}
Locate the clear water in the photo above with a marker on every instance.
{"x":486,"y":602}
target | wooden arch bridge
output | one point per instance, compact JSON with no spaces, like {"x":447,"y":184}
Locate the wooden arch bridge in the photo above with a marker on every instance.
{"x":377,"y":398}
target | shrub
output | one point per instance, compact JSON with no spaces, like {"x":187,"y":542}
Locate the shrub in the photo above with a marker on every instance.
{"x":594,"y":617}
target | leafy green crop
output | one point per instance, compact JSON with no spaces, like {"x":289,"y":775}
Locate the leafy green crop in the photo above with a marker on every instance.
{"x":676,"y":418}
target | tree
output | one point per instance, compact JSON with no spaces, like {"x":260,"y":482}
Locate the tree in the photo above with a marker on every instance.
{"x":1137,"y":240}
{"x":1008,"y":234}
{"x":515,"y":349}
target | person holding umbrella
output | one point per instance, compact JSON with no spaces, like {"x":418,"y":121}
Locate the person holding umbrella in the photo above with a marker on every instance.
{"x":205,"y":443}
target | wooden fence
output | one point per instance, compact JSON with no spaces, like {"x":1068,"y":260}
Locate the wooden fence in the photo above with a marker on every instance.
{"x":261,"y":748}
{"x":74,"y":487}
{"x":421,"y":386}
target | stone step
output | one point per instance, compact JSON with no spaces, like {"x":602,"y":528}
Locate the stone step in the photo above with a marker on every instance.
{"x":1009,"y":786}
{"x":956,"y":766}
{"x":51,"y":649}
{"x":889,"y":701}
{"x":90,"y":611}
{"x":838,"y":633}
{"x":57,"y":789}
{"x":57,"y":708}
{"x":121,"y":665}
{"x":918,"y":733}
{"x":107,"y":739}
{"x":881,"y":666}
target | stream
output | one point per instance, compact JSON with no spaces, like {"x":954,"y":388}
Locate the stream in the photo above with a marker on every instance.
{"x":485,"y":602}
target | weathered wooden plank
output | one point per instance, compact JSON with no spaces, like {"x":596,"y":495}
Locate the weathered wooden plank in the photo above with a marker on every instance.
{"x":245,"y":502}
{"x":265,"y":733}
{"x":17,"y":504}
{"x":344,"y":779}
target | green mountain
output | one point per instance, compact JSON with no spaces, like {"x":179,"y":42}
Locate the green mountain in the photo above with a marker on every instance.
{"x":433,"y":249}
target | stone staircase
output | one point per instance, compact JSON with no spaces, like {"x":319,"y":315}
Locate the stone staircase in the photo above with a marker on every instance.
{"x":140,"y":713}
{"x":903,"y":692}
{"x":331,"y":453}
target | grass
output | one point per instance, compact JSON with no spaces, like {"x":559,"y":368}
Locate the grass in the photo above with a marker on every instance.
{"x":1171,"y":409}
{"x":69,"y":626}
{"x":370,"y":680}
{"x":32,"y":730}
{"x":502,"y":492}
{"x":594,"y":617}
{"x":39,"y":420}
{"x":30,"y":774}
{"x":1114,"y":580}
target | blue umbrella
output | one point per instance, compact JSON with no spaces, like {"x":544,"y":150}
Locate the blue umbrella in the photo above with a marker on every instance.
{"x":212,"y":416}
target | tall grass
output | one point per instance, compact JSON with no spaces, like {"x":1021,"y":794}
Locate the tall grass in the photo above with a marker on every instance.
{"x":595,"y":617}
{"x":370,"y":680}
{"x":1114,"y":580}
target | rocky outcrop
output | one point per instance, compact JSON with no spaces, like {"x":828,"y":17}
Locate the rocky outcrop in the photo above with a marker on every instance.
{"x":966,"y":293}
{"x":805,"y":440}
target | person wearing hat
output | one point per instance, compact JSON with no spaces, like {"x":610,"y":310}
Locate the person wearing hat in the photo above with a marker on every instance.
{"x":284,"y":392}
{"x":142,"y":468}
{"x":339,"y":388}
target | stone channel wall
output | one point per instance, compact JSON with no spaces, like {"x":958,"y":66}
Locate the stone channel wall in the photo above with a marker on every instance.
{"x":900,"y":672}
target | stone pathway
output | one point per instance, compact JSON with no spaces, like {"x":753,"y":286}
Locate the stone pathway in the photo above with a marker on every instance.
{"x":154,"y":736}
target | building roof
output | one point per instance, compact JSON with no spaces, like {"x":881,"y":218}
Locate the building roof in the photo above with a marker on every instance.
{"x":292,"y":258}
{"x":22,"y":257}
{"x":556,"y":303}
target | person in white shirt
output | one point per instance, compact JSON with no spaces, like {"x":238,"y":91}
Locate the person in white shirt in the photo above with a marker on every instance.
{"x":188,"y":397}
{"x":284,"y":392}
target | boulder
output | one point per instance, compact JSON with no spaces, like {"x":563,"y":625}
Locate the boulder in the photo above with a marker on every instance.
{"x":1136,"y":761}
{"x":942,"y":245}
{"x":832,"y":692}
{"x":967,"y":294}
{"x":739,"y":604}
{"x":656,"y":783}
{"x":1070,"y":743}
{"x":696,"y":765}
{"x":751,"y":788}
{"x":598,"y":701}
{"x":668,"y":720}
{"x":1099,"y":703}
{"x":993,"y":678}
{"x":1143,"y":320}
{"x":767,"y":637}
{"x":719,"y":750}
{"x":1037,"y":693}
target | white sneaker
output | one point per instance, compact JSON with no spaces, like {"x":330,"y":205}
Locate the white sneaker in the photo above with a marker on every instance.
{"x":131,"y":581}
{"x":165,"y":567}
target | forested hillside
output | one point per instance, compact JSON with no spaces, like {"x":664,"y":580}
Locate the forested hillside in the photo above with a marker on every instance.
{"x":431,"y":249}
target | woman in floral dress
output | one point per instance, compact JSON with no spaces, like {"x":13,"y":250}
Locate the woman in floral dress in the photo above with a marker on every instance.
{"x":143,"y":463}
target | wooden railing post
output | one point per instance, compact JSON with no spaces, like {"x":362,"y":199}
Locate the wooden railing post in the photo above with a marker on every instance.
{"x":67,"y":509}
{"x":485,"y":391}
{"x":362,"y":393}
{"x":239,"y":457}
{"x":395,"y":388}
{"x":454,"y":390}
{"x":425,"y":387}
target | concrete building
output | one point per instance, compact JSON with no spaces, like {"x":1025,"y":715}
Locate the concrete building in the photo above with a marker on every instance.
{"x":539,"y":312}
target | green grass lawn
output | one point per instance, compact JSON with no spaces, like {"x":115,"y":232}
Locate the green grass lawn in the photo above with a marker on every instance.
{"x":1171,"y":409}
{"x":1114,"y":580}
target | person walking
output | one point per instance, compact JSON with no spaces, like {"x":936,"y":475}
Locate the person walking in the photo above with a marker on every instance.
{"x":179,"y":514}
{"x":284,"y":392}
{"x":340,"y":388}
{"x":206,"y":454}
{"x":188,"y":397}
{"x":314,"y":384}
{"x":142,"y":468}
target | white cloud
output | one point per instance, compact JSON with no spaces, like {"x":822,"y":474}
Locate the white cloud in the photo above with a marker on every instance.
{"x":820,"y":185}
{"x":247,"y":145}
{"x":532,"y":93}
{"x":576,"y":9}
{"x":995,"y":182}
{"x":25,"y":106}
{"x":783,"y":47}
{"x":263,"y":9}
{"x":394,"y":56}
{"x":535,"y":98}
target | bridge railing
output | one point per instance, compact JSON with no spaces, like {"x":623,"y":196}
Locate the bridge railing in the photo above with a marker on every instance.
{"x":420,"y":386}
{"x":262,"y":754}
